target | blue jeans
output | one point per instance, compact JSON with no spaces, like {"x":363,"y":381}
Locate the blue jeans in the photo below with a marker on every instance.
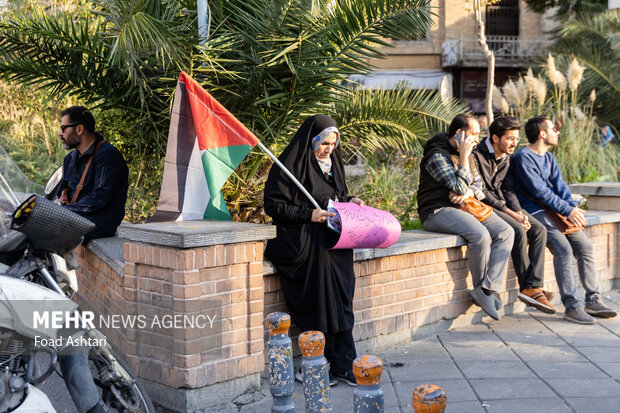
{"x":77,"y":376}
{"x":489,"y":243}
{"x":564,"y":247}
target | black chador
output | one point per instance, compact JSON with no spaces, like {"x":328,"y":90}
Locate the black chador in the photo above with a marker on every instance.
{"x":318,"y":282}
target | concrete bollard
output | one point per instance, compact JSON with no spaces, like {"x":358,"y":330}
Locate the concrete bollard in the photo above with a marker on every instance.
{"x":368,"y":396}
{"x":316,"y":375}
{"x":280,"y":354}
{"x":429,"y":398}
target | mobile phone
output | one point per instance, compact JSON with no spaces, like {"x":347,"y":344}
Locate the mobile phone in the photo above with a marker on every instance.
{"x":459,"y":137}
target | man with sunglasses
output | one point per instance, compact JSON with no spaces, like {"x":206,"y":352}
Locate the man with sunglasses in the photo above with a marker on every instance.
{"x":537,"y":181}
{"x":493,"y":158}
{"x":101,"y":195}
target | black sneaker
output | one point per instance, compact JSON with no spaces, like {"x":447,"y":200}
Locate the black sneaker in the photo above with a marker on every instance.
{"x":346,"y":377}
{"x":299,"y":376}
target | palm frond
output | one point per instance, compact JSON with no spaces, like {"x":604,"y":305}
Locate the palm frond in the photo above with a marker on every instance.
{"x":388,"y":120}
{"x":116,"y":56}
{"x":357,"y":27}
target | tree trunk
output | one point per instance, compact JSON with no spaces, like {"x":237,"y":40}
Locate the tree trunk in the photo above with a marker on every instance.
{"x":490,"y":58}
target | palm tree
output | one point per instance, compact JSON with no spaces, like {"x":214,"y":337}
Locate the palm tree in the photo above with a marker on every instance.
{"x":112,"y":54}
{"x":296,"y":57}
{"x":270,"y":62}
{"x":567,"y":9}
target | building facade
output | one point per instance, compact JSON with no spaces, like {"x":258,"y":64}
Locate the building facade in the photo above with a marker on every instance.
{"x":449,"y":58}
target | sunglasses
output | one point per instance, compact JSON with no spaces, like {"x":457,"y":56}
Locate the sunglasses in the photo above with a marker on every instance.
{"x":63,"y":127}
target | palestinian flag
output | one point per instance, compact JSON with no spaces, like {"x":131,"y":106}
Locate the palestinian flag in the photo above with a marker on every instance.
{"x":206,"y":143}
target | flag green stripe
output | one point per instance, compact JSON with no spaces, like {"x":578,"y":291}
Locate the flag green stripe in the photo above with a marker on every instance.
{"x":219,"y":164}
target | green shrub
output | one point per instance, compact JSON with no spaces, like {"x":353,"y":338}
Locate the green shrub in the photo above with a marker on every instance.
{"x":390,"y":183}
{"x":29,"y":130}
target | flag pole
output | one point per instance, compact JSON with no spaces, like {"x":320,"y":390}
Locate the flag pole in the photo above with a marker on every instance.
{"x":288,"y":173}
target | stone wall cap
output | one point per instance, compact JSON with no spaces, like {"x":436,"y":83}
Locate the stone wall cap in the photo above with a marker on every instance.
{"x":595,"y":217}
{"x":109,"y":250}
{"x":419,"y":240}
{"x":597,"y":188}
{"x":415,"y":240}
{"x":193,"y":234}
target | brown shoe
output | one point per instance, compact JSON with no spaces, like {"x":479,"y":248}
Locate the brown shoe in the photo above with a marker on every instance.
{"x":536,"y":298}
{"x":549,"y":295}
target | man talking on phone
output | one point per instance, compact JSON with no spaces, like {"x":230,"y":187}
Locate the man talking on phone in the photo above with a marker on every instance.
{"x":448,"y":176}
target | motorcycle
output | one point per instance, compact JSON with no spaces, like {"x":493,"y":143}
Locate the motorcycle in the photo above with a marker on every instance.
{"x":35,"y":274}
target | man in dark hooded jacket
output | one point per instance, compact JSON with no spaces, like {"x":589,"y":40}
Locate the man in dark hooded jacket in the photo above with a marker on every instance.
{"x":448,"y":176}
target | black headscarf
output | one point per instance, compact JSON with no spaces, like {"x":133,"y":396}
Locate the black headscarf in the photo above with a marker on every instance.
{"x":318,"y":283}
{"x":299,"y":158}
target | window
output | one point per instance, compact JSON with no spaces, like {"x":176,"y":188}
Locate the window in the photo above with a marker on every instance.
{"x":502,"y":25}
{"x":502,"y":19}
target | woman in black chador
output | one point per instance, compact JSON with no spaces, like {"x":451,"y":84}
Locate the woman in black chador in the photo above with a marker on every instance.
{"x":318,"y":282}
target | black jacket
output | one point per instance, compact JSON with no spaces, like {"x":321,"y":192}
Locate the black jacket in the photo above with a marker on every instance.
{"x":497,"y":188}
{"x":432,"y":194}
{"x":102,"y":198}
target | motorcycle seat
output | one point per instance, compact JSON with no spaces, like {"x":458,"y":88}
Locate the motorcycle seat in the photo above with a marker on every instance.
{"x":12,"y":241}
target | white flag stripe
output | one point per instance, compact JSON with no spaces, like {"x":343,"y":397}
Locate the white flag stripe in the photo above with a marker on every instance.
{"x":196,"y":195}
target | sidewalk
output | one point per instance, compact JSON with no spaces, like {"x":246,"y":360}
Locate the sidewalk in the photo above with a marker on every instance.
{"x":529,"y":362}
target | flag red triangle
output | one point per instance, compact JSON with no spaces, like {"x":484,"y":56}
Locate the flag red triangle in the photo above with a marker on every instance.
{"x":215,"y":126}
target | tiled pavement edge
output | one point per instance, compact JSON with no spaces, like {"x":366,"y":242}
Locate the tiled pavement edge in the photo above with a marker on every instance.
{"x":529,"y":362}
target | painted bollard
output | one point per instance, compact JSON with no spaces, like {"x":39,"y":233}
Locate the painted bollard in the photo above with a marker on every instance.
{"x":315,"y":372}
{"x":280,"y":354}
{"x":368,"y":396}
{"x":429,"y":398}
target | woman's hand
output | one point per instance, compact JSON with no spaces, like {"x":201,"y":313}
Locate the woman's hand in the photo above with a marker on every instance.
{"x":320,"y":215}
{"x":357,"y":201}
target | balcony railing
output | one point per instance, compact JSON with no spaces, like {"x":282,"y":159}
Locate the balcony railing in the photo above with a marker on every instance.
{"x":508,"y":50}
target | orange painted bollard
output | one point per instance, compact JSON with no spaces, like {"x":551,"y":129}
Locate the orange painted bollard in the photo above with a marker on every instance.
{"x":368,"y":396}
{"x":316,"y":374}
{"x":429,"y":398}
{"x":280,"y":355}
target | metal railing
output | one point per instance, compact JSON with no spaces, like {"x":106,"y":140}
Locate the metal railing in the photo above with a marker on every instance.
{"x":508,"y":50}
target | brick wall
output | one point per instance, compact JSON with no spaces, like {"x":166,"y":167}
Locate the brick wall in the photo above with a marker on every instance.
{"x":162,"y":277}
{"x":408,"y":291}
{"x":394,"y":294}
